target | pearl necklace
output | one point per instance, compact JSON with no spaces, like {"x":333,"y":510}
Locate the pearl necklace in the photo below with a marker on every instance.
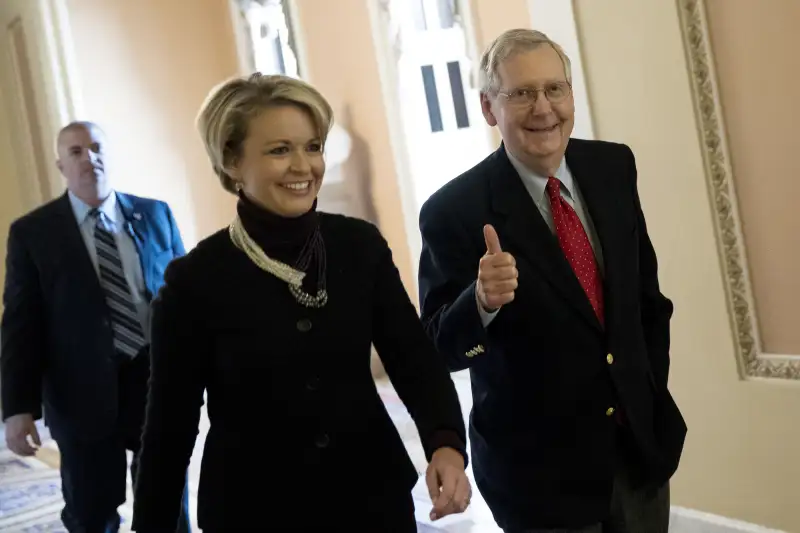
{"x":291,"y":276}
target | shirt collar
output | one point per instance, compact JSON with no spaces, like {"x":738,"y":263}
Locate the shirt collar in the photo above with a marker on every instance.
{"x":81,"y":209}
{"x":536,"y":183}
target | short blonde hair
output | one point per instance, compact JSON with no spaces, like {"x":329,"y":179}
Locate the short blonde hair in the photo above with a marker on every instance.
{"x":225,"y":116}
{"x":510,"y":43}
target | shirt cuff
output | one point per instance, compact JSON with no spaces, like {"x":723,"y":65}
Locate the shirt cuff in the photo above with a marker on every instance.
{"x":486,"y":316}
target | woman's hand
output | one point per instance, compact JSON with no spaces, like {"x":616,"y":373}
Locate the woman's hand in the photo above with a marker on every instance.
{"x":448,"y":484}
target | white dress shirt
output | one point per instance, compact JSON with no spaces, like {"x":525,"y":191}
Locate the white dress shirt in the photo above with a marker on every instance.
{"x":128,"y":254}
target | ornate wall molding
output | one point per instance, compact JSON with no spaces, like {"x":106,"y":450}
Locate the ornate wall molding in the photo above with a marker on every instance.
{"x":752,"y":361}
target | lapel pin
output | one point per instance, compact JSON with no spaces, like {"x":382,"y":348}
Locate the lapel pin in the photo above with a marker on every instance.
{"x":137,"y":216}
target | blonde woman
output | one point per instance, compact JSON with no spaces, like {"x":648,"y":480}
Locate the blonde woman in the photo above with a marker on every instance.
{"x":275,"y":316}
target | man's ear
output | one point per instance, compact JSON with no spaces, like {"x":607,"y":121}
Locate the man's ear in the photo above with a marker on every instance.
{"x":486,"y":107}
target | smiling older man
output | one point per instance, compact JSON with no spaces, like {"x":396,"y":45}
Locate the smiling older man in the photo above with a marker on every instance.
{"x":537,"y":274}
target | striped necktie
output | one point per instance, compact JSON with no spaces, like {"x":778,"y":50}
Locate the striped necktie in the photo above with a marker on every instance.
{"x":128,"y":332}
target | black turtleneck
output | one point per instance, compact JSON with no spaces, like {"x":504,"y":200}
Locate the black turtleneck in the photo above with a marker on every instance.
{"x":283,"y":238}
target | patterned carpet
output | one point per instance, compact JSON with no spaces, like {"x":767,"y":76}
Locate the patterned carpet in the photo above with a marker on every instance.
{"x":30,"y":490}
{"x":30,"y":493}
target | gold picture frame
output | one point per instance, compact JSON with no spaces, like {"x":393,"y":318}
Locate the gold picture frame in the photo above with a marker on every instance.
{"x":753,"y":362}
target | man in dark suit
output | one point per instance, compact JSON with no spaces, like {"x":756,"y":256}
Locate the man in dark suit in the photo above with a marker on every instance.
{"x":537,"y":274}
{"x":81,"y":271}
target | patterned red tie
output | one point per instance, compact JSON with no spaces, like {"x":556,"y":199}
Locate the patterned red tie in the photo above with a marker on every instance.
{"x":576,"y":246}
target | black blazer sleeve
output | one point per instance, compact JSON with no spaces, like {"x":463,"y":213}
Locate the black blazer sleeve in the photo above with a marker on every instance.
{"x":656,"y":308}
{"x":448,"y":271}
{"x":23,"y":331}
{"x":178,"y":360}
{"x":410,"y":359}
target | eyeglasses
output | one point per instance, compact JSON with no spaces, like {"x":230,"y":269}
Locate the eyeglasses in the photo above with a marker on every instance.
{"x":554,"y":92}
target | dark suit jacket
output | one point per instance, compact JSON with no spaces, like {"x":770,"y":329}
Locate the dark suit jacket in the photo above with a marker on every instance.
{"x":297,"y":426}
{"x":57,"y":342}
{"x":543,"y":446}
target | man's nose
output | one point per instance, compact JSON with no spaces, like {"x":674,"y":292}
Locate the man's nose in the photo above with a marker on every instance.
{"x":541,"y":105}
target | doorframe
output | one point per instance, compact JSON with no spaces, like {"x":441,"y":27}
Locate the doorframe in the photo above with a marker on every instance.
{"x":55,"y":13}
{"x":62,"y":94}
{"x":387,"y":68}
{"x":385,"y":46}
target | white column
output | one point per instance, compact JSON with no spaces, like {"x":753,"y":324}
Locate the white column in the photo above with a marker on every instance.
{"x":385,"y":38}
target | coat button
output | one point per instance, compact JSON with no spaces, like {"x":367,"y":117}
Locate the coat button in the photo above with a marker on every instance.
{"x":303,"y":325}
{"x":313,"y":384}
{"x":610,"y":411}
{"x":610,"y":359}
{"x":323,"y":441}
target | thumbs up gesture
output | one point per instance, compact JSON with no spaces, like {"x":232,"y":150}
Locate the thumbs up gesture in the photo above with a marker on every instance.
{"x":497,"y":273}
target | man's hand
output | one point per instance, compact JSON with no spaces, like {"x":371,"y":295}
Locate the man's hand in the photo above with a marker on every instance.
{"x":448,"y":484}
{"x":18,"y":429}
{"x":497,"y":273}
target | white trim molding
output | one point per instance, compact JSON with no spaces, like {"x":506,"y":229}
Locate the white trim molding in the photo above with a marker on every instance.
{"x":684,"y":520}
{"x":753,"y":362}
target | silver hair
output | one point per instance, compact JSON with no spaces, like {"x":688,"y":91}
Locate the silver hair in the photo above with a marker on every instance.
{"x":510,"y":43}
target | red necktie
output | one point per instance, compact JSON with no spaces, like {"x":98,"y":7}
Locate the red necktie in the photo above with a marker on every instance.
{"x":576,"y":246}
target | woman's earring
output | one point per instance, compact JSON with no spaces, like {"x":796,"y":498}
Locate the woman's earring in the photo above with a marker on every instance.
{"x":238,"y":186}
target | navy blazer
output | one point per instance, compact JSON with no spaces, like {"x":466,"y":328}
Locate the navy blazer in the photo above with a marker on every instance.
{"x":57,"y":344}
{"x":546,"y":375}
